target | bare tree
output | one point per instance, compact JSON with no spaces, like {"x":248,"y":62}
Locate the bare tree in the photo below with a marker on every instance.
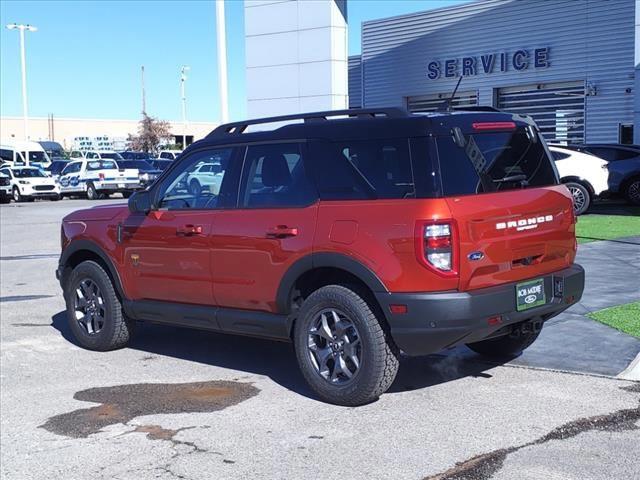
{"x":151,"y":134}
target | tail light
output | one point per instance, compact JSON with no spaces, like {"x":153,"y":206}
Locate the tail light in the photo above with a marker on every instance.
{"x":101,"y":176}
{"x":436,"y":246}
{"x":493,"y":126}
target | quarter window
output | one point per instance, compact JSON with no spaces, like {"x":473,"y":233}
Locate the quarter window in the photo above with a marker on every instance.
{"x":358,"y":170}
{"x":274,"y":176}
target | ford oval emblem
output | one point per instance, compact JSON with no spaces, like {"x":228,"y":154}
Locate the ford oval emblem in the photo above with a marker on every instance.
{"x":475,"y":256}
{"x":530,"y":299}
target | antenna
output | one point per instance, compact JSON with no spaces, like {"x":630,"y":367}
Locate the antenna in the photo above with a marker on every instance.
{"x":446,"y":106}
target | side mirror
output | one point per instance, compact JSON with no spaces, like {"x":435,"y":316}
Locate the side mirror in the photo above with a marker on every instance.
{"x":140,"y":202}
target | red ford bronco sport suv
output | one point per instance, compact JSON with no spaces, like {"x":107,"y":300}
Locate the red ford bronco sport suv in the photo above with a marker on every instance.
{"x":356,"y":234}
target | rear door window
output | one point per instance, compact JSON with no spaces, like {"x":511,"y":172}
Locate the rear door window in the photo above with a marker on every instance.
{"x":493,"y":161}
{"x":274,"y":176}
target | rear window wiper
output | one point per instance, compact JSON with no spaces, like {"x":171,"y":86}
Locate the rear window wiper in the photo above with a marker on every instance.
{"x":513,"y":178}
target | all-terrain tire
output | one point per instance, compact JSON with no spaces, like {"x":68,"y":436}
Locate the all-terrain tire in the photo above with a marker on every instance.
{"x":379,"y":356}
{"x":117,"y":329}
{"x":505,"y":346}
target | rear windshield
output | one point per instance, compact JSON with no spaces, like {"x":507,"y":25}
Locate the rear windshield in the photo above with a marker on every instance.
{"x":102,"y":165}
{"x":493,"y":161}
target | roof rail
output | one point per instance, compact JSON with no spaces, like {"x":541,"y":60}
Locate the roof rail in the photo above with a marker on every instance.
{"x":235,"y":128}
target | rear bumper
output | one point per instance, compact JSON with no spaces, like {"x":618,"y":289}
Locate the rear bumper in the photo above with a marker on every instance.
{"x":440,"y":320}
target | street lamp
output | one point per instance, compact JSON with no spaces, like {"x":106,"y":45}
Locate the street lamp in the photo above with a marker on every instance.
{"x":183,"y":79}
{"x":21,"y":28}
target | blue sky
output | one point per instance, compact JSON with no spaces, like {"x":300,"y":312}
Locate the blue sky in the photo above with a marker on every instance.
{"x":85,"y":58}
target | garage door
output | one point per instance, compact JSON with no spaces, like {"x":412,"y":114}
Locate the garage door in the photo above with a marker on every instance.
{"x":430,"y":103}
{"x":557,"y":108}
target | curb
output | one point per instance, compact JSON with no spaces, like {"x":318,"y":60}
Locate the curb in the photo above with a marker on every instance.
{"x":632,"y":372}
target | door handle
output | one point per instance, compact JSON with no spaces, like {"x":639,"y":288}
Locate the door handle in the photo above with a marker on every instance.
{"x":189,"y":230}
{"x":282,"y":231}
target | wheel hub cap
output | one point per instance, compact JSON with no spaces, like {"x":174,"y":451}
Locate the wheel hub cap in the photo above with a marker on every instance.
{"x":334,"y":347}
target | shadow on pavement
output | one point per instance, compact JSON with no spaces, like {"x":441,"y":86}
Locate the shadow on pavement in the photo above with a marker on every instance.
{"x":277,"y":360}
{"x":614,"y":207}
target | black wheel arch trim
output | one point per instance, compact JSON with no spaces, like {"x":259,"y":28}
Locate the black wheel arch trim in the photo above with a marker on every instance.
{"x":87,"y":245}
{"x":323,"y":260}
{"x":581,"y":181}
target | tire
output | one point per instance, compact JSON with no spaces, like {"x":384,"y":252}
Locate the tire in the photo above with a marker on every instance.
{"x":581,"y":197}
{"x":377,"y":357}
{"x":506,"y":346}
{"x":105,"y":327}
{"x":6,"y":199}
{"x":56,"y":198}
{"x":17,"y":197}
{"x":92,"y":193}
{"x":632,"y":191}
{"x":195,"y":188}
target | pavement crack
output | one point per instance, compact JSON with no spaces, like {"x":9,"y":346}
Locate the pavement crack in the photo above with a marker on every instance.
{"x":485,"y":465}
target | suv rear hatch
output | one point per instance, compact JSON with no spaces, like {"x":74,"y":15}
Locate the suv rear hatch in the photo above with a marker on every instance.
{"x":511,"y":218}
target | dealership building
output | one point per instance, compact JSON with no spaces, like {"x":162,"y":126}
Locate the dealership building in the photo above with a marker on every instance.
{"x":570,"y":64}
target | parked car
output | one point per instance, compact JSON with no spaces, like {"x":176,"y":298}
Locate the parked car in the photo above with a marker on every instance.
{"x":54,"y":150}
{"x":5,"y":187}
{"x":356,"y":237}
{"x":29,"y":183}
{"x":169,"y":154}
{"x":207,"y":175}
{"x":584,"y":175}
{"x":102,"y":155}
{"x":160,"y":164}
{"x":624,"y":167}
{"x":131,"y":155}
{"x":55,"y":168}
{"x":97,"y":178}
{"x":14,"y":152}
{"x":147,"y":174}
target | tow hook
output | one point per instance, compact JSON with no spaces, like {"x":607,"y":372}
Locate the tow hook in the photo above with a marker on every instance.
{"x":525,"y":328}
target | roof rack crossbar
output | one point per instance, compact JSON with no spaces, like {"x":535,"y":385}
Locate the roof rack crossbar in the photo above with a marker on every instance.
{"x":235,"y":128}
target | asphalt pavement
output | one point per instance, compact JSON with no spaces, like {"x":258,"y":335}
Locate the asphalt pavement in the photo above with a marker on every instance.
{"x":186,"y":404}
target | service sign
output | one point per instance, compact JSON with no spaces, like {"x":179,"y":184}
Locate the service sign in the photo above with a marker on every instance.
{"x":488,"y":63}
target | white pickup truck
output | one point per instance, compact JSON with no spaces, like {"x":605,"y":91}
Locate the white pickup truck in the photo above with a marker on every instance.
{"x":97,"y":178}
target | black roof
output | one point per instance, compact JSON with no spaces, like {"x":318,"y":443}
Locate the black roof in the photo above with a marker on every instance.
{"x":357,"y":123}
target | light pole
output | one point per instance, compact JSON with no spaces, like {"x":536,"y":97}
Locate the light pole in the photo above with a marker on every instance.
{"x":183,"y":79}
{"x":21,"y":28}
{"x":222,"y":61}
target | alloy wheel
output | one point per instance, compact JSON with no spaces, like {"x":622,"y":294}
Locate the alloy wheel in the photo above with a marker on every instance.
{"x":633,"y":192}
{"x":89,"y":306}
{"x":579,"y":198}
{"x":334,"y":347}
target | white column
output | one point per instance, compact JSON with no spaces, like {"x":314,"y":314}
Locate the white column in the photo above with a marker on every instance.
{"x":222,"y":61}
{"x":296,"y":56}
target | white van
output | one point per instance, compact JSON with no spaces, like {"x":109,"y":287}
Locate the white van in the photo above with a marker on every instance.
{"x":14,"y":152}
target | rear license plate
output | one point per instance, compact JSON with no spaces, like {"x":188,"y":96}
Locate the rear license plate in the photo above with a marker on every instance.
{"x":121,"y":185}
{"x":530,"y":294}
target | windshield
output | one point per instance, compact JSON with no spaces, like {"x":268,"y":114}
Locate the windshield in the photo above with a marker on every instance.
{"x":28,"y":173}
{"x":36,"y":156}
{"x":112,"y":155}
{"x":139,"y":164}
{"x":102,"y":165}
{"x":494,"y":161}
